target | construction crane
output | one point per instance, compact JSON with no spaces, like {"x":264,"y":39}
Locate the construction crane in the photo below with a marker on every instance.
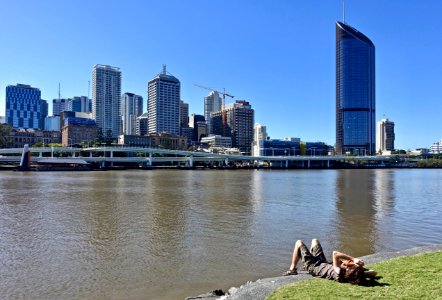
{"x":224,"y":93}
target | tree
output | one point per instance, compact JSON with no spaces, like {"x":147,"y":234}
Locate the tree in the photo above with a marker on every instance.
{"x":5,"y":130}
{"x":108,"y":138}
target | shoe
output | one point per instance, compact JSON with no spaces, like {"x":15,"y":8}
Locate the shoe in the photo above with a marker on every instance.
{"x":290,"y":272}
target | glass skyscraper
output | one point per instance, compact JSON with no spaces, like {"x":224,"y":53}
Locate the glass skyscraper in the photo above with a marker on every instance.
{"x":23,"y":106}
{"x":355,"y":92}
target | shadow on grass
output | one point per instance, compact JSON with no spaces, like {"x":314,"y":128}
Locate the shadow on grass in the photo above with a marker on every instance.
{"x":372,"y":282}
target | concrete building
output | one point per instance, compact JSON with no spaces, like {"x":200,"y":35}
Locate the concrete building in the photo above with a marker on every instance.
{"x":168,"y":141}
{"x":355,"y":92}
{"x":163,"y":109}
{"x":217,"y":141}
{"x":23,"y":106}
{"x":2,"y":120}
{"x":106,"y":98}
{"x":212,"y":103}
{"x":385,"y":136}
{"x":131,"y":109}
{"x":436,"y":148}
{"x":142,"y":125}
{"x":236,"y":120}
{"x":17,"y":138}
{"x":78,"y":131}
{"x":134,"y":140}
{"x":259,"y":135}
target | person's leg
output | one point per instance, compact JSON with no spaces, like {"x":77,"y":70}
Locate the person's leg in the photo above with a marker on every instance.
{"x":316,"y":250}
{"x":296,"y":254}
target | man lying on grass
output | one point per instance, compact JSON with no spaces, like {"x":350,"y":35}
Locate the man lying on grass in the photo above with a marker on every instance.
{"x":345,"y":268}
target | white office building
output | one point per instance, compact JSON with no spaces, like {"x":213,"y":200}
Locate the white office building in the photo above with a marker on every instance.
{"x":131,"y":109}
{"x":163,"y":104}
{"x":212,"y":103}
{"x":385,"y":136}
{"x":106,"y":98}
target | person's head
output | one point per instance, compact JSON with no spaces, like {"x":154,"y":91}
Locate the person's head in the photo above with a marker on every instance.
{"x":353,"y":274}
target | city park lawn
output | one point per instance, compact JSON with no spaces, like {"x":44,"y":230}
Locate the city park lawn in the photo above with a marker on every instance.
{"x":410,"y":277}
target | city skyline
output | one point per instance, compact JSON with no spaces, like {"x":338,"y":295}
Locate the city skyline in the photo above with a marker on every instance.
{"x":261,"y":52}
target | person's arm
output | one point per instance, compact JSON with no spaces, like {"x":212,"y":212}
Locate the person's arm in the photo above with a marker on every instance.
{"x":338,"y":257}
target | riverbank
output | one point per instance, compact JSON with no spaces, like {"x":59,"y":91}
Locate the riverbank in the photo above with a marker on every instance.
{"x":262,"y":288}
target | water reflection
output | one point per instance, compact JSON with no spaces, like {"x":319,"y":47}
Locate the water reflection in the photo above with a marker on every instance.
{"x":355,"y":223}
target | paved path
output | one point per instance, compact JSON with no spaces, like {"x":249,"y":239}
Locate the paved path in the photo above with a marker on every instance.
{"x":261,"y":288}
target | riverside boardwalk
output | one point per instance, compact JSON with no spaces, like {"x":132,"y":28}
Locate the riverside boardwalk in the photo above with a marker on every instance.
{"x":262,"y":288}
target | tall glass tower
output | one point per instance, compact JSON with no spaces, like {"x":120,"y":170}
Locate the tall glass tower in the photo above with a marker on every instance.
{"x":355,"y":92}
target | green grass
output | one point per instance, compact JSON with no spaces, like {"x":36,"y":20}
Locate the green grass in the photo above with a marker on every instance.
{"x":412,"y":277}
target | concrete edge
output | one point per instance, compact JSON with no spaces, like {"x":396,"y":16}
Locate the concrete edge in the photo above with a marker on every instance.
{"x":262,"y":288}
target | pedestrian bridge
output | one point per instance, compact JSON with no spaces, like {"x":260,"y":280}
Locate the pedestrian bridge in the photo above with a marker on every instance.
{"x":155,"y":156}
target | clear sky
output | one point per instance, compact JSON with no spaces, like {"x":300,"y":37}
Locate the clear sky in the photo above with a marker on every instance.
{"x":277,"y":54}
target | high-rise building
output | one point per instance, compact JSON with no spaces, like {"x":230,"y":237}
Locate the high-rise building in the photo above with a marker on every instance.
{"x":79,"y":104}
{"x":259,"y":135}
{"x":106,"y":97}
{"x":236,"y":120}
{"x":385,"y":136}
{"x":199,"y":125}
{"x":212,"y":103}
{"x":23,"y":106}
{"x":142,"y":125}
{"x":164,"y":103}
{"x":131,"y":109}
{"x":59,"y":106}
{"x":184,"y":114}
{"x":355,"y":92}
{"x":44,"y":113}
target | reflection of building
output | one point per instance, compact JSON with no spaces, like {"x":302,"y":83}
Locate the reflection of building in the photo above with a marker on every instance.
{"x":17,"y":138}
{"x":355,"y":92}
{"x":131,"y":109}
{"x":236,"y":120}
{"x":385,"y":135}
{"x":78,"y":130}
{"x":212,"y":103}
{"x":23,"y":106}
{"x":164,"y":103}
{"x":354,"y":226}
{"x":106,"y":97}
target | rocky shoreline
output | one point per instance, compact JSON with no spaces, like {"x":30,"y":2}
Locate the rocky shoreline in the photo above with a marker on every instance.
{"x":260,"y":289}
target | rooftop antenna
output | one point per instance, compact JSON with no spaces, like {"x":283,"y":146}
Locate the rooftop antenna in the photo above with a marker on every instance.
{"x":59,"y":97}
{"x":343,"y":11}
{"x":164,"y":69}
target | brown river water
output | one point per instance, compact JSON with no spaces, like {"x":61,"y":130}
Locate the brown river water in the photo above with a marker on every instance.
{"x":168,"y":234}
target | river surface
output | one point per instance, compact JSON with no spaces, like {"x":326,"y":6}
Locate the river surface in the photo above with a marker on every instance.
{"x":167,"y":234}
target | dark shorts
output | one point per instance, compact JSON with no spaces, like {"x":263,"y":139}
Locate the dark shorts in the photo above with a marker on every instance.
{"x":312,"y":259}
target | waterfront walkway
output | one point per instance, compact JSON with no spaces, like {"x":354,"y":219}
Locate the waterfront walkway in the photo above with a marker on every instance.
{"x":262,"y":288}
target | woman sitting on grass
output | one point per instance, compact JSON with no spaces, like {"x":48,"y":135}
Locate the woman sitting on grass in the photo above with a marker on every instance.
{"x":345,"y":268}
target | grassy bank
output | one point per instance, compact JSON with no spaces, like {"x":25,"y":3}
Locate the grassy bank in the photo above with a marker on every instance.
{"x":413,"y":277}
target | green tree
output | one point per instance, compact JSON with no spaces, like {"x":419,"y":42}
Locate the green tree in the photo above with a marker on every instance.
{"x":108,"y":138}
{"x":5,"y":130}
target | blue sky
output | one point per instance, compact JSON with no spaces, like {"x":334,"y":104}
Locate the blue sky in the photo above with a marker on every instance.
{"x":279,"y":55}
